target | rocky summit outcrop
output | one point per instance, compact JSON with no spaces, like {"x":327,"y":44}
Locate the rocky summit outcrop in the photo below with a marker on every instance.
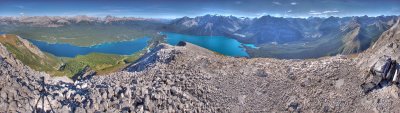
{"x":189,"y":78}
{"x":388,"y":44}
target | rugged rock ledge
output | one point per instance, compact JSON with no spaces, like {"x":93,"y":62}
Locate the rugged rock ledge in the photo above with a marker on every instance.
{"x":192,"y":79}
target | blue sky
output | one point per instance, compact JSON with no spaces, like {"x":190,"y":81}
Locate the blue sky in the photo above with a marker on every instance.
{"x":191,"y":8}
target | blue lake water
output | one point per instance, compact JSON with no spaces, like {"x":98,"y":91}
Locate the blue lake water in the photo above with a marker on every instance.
{"x":220,"y":44}
{"x":224,"y":45}
{"x":68,"y":50}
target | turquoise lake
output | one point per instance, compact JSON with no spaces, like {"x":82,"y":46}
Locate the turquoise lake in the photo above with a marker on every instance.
{"x":68,"y":50}
{"x":224,"y":45}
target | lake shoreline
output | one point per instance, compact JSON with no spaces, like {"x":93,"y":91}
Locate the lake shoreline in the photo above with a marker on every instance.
{"x":70,"y":50}
{"x":220,"y":44}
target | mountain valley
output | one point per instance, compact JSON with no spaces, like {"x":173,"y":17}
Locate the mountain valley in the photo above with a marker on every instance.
{"x":189,"y":78}
{"x":292,"y":38}
{"x":274,"y":37}
{"x":199,"y":56}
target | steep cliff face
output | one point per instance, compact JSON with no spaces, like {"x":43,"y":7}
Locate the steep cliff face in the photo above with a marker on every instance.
{"x":351,"y":42}
{"x":30,"y":47}
{"x":18,"y":41}
{"x":189,"y":78}
{"x":361,"y":32}
{"x":388,"y":44}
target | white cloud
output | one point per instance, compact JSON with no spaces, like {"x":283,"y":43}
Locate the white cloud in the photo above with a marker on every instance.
{"x":289,"y":11}
{"x":21,"y":13}
{"x":333,"y":11}
{"x":323,"y":13}
{"x":293,"y":3}
{"x":277,"y":3}
{"x":312,"y":12}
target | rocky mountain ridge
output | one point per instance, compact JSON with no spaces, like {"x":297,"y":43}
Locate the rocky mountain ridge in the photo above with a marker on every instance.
{"x":283,"y":37}
{"x":188,"y":78}
{"x":268,"y":28}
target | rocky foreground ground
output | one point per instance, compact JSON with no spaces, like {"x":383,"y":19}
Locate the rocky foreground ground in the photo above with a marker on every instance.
{"x":189,"y":78}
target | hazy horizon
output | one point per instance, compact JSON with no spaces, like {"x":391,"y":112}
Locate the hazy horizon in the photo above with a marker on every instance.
{"x":180,"y":8}
{"x":70,"y":16}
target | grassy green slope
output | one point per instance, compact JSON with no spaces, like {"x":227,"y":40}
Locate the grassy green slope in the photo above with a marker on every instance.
{"x":101,"y":63}
{"x":47,"y":63}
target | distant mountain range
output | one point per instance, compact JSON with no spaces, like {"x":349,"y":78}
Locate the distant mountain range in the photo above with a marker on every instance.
{"x":275,"y":36}
{"x":291,"y":37}
{"x":58,"y":21}
{"x":81,"y":30}
{"x":270,"y":29}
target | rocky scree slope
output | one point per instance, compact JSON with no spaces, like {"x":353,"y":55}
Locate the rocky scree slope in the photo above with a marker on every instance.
{"x":388,"y":44}
{"x":189,"y":78}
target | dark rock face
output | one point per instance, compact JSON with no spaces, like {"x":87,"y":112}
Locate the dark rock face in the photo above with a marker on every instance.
{"x":382,"y":74}
{"x":181,"y":43}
